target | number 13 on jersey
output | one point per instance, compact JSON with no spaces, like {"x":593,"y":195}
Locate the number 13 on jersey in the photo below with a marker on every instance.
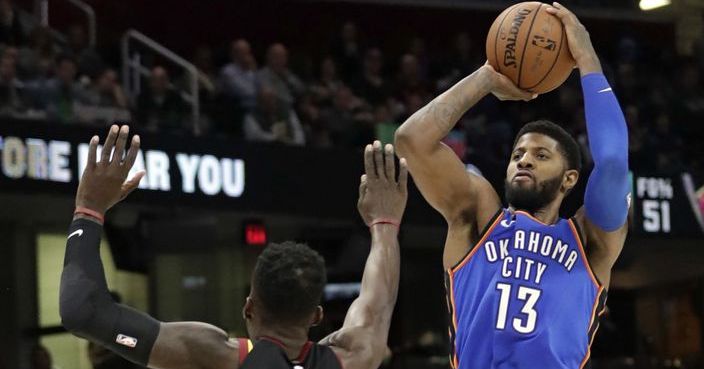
{"x":522,"y":324}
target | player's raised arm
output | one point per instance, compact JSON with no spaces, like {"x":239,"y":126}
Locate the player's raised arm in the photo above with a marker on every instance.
{"x":86,"y":307}
{"x":467,"y":202}
{"x":438,"y":172}
{"x":606,"y":198}
{"x":361,"y":343}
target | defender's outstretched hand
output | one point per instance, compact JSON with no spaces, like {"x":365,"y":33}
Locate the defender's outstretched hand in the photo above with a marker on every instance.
{"x":104,"y":183}
{"x":381,"y":195}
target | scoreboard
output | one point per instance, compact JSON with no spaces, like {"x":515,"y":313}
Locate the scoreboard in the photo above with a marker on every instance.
{"x":666,"y":206}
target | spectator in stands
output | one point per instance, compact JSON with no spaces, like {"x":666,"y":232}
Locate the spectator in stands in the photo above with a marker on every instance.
{"x":412,"y":102}
{"x":316,"y":130}
{"x":11,"y":32}
{"x":324,"y":88}
{"x":417,"y":48}
{"x":460,"y":63}
{"x":371,"y":86}
{"x":11,"y":89}
{"x":207,"y":74}
{"x":276,"y":75}
{"x":330,"y":112}
{"x":238,"y":79}
{"x":637,"y":135}
{"x":273,"y":121}
{"x":627,"y":83}
{"x":37,"y":60}
{"x":690,"y":105}
{"x":568,"y":101}
{"x":12,"y":52}
{"x":410,"y":82}
{"x":207,"y":88}
{"x":348,"y":52}
{"x":161,"y":108}
{"x":349,"y":120}
{"x":62,"y":92}
{"x":104,"y":101}
{"x":89,"y":61}
{"x":688,"y":108}
{"x":106,"y":91}
{"x":666,"y":145}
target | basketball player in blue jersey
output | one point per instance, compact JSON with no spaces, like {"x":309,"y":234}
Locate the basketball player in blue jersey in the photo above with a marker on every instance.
{"x":287,"y":284}
{"x":525,"y":287}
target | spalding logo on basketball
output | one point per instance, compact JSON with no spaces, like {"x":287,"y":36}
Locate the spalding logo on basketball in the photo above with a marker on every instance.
{"x":529,"y":46}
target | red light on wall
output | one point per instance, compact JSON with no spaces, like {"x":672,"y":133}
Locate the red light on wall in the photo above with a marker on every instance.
{"x":254,"y":234}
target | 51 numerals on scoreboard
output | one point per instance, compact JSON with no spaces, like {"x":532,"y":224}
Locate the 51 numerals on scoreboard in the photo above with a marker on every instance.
{"x":656,"y":216}
{"x":655,"y":195}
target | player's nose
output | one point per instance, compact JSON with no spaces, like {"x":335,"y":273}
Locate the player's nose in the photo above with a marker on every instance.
{"x":525,"y":162}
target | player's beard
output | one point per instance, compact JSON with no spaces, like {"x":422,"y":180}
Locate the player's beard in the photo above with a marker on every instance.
{"x":535,"y":197}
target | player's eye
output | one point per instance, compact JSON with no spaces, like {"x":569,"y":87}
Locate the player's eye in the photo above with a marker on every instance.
{"x":516,"y":157}
{"x":542,"y":156}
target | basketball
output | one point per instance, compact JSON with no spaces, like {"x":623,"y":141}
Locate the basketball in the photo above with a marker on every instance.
{"x":529,"y":46}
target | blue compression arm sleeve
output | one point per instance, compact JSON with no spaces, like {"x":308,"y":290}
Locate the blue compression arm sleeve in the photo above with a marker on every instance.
{"x":605,"y":199}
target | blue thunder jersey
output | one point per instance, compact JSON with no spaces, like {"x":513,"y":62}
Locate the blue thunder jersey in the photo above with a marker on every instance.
{"x":524,"y":297}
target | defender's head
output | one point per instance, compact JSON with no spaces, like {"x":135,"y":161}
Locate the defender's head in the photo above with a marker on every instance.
{"x":287,"y":287}
{"x":544,"y":166}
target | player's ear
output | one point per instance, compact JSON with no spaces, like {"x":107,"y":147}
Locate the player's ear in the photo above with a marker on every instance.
{"x":247,"y":309}
{"x":318,"y":316}
{"x":569,"y":180}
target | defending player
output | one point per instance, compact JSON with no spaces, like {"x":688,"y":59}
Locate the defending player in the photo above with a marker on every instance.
{"x":524,"y":286}
{"x":287,"y":284}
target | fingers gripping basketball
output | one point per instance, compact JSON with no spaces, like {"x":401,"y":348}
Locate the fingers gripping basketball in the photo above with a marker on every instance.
{"x":529,"y":46}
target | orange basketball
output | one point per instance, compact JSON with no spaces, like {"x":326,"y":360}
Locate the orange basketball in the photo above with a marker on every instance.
{"x":529,"y":46}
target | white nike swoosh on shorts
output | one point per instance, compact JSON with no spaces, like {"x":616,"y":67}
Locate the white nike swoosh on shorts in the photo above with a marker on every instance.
{"x":605,"y":90}
{"x":78,"y":232}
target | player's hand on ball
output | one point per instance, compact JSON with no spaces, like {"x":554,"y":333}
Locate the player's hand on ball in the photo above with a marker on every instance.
{"x":104,"y":183}
{"x":503,"y":88}
{"x":578,"y":39}
{"x":381,"y":195}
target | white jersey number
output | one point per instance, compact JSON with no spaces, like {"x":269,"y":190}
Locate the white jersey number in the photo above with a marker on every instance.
{"x":525,"y":324}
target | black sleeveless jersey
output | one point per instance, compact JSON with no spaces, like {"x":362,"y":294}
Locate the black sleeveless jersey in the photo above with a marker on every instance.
{"x":268,"y":353}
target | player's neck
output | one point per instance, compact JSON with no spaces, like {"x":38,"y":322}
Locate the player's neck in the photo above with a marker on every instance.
{"x":548,"y":215}
{"x":291,"y":337}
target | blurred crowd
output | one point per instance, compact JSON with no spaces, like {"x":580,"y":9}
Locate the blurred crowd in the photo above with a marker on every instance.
{"x":349,"y":94}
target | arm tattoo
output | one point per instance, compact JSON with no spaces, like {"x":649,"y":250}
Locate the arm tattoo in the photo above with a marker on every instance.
{"x":444,"y":115}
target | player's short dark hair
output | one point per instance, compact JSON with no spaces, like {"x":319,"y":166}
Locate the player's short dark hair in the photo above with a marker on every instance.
{"x":568,"y":147}
{"x":289,"y":280}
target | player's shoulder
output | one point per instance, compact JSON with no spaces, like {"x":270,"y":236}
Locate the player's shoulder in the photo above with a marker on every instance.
{"x":356,"y":347}
{"x":479,"y":205}
{"x":480,"y":183}
{"x":210,"y":346}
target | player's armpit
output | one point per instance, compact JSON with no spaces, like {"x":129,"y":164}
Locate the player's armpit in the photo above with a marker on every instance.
{"x":357,"y":347}
{"x":193,"y":345}
{"x":603,"y":247}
